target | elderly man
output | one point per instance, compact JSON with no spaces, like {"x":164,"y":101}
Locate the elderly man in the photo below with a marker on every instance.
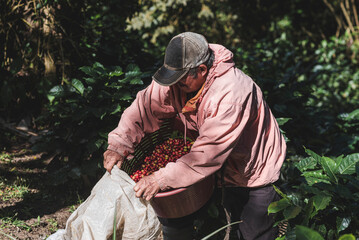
{"x":199,"y":83}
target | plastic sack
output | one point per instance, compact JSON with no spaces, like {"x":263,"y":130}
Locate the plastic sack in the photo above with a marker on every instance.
{"x":111,"y":198}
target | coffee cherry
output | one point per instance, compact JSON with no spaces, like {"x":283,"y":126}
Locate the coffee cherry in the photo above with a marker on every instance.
{"x":169,"y":151}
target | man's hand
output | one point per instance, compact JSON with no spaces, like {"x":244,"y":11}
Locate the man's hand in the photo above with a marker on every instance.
{"x":147,"y":187}
{"x":110,"y":158}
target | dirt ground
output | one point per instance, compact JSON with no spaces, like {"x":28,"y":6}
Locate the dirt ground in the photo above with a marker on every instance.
{"x":31,"y":207}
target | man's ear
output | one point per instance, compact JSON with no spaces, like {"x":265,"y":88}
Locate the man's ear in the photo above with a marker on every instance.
{"x":203,"y":69}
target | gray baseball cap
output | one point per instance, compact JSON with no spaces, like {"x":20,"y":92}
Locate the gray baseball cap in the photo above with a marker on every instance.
{"x":185,"y":51}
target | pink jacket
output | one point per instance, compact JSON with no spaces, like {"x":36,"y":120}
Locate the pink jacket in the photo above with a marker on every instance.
{"x":234,"y":123}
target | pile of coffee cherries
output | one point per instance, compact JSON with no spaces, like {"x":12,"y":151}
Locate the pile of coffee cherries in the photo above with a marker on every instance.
{"x":169,"y":151}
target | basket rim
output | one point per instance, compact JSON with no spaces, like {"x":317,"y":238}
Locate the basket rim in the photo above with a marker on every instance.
{"x":170,"y":193}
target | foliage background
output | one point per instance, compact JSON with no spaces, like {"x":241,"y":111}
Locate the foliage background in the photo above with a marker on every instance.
{"x":72,"y":67}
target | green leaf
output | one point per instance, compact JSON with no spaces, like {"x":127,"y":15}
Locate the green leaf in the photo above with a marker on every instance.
{"x":118,"y":109}
{"x":291,"y":212}
{"x":315,"y":176}
{"x":279,"y":192}
{"x":282,"y":121}
{"x":305,"y":233}
{"x":329,"y":167}
{"x":342,"y":223}
{"x":51,"y":98}
{"x":347,"y":165}
{"x":98,"y":65}
{"x":321,"y":201}
{"x":132,"y":70}
{"x":275,"y":207}
{"x":354,"y":115}
{"x":99,"y":143}
{"x":306,"y":163}
{"x":116,"y":73}
{"x":78,"y":85}
{"x":89,"y":71}
{"x":347,"y":237}
{"x":136,"y":81}
{"x":313,"y":155}
{"x":57,"y":91}
{"x":90,"y":80}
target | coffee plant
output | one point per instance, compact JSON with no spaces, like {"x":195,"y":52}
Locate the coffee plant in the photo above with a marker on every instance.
{"x":82,"y":112}
{"x":322,"y":202}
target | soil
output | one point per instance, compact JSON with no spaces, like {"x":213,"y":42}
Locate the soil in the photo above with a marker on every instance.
{"x":44,"y":207}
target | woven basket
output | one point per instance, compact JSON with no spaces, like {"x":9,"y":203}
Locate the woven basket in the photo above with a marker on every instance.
{"x":174,"y":203}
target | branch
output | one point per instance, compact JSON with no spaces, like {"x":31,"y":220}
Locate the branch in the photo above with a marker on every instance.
{"x":347,"y":17}
{"x":331,"y":8}
{"x":355,"y":13}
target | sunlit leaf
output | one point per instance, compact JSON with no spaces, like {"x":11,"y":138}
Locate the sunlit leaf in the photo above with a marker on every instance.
{"x":78,"y":85}
{"x":277,"y":206}
{"x":330,"y":168}
{"x":342,"y":223}
{"x":57,"y":91}
{"x":347,"y":165}
{"x":306,"y":163}
{"x":347,"y":237}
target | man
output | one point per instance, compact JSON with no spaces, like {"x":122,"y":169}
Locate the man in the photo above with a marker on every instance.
{"x":199,"y":83}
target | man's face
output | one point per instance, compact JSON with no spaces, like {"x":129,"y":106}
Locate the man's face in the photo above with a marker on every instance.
{"x":191,"y":83}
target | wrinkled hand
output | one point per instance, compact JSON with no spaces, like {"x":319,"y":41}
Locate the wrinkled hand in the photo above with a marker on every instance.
{"x":147,"y":187}
{"x":110,"y":158}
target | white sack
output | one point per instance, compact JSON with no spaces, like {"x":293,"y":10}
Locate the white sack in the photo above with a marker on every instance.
{"x":94,"y":218}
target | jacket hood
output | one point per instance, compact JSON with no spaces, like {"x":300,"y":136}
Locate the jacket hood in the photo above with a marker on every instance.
{"x":223,"y":61}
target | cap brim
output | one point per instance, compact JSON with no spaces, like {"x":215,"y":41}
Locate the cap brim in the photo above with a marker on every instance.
{"x":167,"y":77}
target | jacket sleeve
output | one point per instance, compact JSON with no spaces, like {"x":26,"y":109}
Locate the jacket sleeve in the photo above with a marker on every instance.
{"x":144,"y":115}
{"x":223,"y":126}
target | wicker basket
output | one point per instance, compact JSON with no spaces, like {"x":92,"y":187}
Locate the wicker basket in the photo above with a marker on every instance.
{"x":174,"y":203}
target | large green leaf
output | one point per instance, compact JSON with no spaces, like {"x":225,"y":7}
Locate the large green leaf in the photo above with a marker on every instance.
{"x":305,"y":233}
{"x":321,"y":201}
{"x":275,"y":207}
{"x":330,"y":168}
{"x":315,"y":176}
{"x":347,"y":165}
{"x":78,"y":85}
{"x":306,"y":163}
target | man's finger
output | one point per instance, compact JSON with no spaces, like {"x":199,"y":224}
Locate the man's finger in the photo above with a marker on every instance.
{"x":139,"y":191}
